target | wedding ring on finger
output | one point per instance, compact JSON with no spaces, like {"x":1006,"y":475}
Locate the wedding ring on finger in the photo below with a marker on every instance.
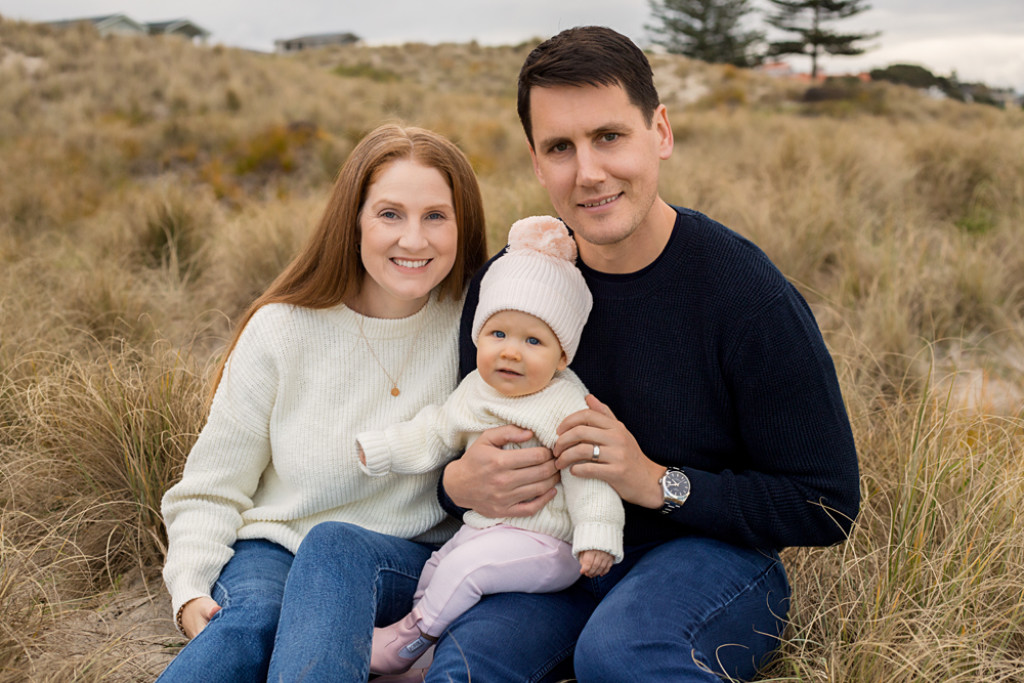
{"x":597,"y":453}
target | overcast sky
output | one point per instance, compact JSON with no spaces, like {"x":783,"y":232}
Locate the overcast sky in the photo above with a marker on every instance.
{"x":982,"y":40}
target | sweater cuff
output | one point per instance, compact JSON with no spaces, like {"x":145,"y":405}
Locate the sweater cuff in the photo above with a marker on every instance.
{"x":378,"y":457}
{"x":415,"y":450}
{"x":178,"y":606}
{"x":596,"y":536}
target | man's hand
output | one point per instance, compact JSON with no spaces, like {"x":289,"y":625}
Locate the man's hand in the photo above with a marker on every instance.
{"x":595,"y":562}
{"x":621,"y":463}
{"x":502,"y":483}
{"x":197,"y":614}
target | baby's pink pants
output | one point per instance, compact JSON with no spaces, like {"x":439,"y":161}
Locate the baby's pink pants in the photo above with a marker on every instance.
{"x":498,"y":559}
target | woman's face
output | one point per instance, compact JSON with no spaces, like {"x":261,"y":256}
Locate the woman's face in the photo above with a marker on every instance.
{"x":408,"y":239}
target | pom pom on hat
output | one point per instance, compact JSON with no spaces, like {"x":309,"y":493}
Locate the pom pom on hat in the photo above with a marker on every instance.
{"x":538,"y":275}
{"x":545,"y":234}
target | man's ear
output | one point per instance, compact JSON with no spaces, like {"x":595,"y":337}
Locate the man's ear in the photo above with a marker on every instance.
{"x":536,"y":169}
{"x":666,"y":140}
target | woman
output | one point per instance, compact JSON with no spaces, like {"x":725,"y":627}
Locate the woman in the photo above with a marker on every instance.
{"x":359,"y":332}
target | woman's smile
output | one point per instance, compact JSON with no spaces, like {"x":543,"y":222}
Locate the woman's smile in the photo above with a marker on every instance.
{"x":408,"y":263}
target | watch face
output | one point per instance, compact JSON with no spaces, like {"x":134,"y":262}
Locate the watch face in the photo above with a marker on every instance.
{"x":676,"y":485}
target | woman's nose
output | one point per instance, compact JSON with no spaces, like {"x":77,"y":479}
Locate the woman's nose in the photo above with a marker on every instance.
{"x":413,"y":237}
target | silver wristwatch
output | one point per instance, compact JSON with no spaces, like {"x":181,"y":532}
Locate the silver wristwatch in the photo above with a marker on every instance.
{"x":675,"y":489}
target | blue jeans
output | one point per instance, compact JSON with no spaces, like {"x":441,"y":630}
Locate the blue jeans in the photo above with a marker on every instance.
{"x":345,"y":580}
{"x":236,"y":644}
{"x":690,"y":609}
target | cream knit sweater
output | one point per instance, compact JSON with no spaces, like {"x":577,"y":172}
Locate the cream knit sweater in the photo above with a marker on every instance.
{"x":278,"y":452}
{"x":586,"y":512}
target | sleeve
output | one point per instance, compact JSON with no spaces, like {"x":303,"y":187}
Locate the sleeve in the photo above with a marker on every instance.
{"x":202,"y":512}
{"x":597,"y":515}
{"x":596,"y":511}
{"x":423,"y":444}
{"x":800,"y":484}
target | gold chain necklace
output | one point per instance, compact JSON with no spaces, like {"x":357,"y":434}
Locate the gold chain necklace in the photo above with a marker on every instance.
{"x":408,"y":354}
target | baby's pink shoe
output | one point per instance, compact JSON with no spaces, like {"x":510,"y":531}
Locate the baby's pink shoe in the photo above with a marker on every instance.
{"x":398,"y":646}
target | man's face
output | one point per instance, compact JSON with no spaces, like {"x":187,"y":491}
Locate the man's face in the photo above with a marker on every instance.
{"x":598,"y":159}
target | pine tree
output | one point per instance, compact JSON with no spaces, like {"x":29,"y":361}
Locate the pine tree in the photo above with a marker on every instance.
{"x":809,"y":19}
{"x":709,"y":30}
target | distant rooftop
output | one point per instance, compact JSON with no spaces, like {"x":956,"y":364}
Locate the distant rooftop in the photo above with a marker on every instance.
{"x":122,"y":24}
{"x":183,"y":27}
{"x":105,"y":24}
{"x":314,"y":41}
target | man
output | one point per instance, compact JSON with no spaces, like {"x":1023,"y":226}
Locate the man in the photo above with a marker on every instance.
{"x":718,"y":417}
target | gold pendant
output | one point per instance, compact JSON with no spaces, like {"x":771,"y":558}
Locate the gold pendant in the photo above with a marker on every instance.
{"x":395,"y":391}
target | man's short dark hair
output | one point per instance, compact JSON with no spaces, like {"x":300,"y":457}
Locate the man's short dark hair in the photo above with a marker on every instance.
{"x":588,"y":55}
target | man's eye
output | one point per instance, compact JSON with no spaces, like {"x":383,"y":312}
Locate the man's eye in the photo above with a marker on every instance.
{"x":610,"y":137}
{"x":560,"y":147}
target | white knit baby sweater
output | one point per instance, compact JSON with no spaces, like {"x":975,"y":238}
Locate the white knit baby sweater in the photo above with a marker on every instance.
{"x":278,"y":452}
{"x":586,"y":512}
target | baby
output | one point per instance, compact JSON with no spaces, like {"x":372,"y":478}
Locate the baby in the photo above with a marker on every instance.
{"x":532,"y":309}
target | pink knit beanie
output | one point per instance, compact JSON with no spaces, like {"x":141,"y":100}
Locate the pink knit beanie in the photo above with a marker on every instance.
{"x":538,"y":275}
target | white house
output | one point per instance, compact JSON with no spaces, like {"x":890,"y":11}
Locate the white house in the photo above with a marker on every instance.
{"x":108,"y":24}
{"x":178,"y":27}
{"x":123,"y":25}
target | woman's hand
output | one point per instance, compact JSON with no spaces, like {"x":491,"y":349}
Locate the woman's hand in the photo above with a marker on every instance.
{"x":621,"y":463}
{"x":197,"y":614}
{"x":595,"y":562}
{"x":496,"y":482}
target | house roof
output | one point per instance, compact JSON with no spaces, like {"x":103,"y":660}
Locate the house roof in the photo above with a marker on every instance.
{"x":322,"y":38}
{"x":108,"y":21}
{"x":181,"y":26}
{"x":102,"y":22}
{"x":341,"y":35}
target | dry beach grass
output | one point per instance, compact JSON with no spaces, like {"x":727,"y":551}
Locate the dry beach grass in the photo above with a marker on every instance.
{"x":149,"y":189}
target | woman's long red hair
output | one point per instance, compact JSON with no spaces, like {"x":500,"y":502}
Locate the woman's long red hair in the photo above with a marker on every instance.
{"x":329,"y":270}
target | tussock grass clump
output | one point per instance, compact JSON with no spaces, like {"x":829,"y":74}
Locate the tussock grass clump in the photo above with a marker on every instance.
{"x":104,"y":435}
{"x":150,"y":189}
{"x":929,"y":585}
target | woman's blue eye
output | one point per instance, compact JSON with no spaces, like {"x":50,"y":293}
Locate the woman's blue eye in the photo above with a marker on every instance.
{"x":436,"y":216}
{"x":388,"y":214}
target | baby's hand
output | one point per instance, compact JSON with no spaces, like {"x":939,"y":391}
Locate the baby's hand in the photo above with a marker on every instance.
{"x":362,"y":456}
{"x":595,"y":562}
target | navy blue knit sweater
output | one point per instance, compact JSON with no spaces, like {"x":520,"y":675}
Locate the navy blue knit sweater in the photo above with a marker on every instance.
{"x":714,"y":362}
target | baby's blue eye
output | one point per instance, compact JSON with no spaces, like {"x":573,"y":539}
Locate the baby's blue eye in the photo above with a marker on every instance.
{"x":532,"y":340}
{"x":499,"y":334}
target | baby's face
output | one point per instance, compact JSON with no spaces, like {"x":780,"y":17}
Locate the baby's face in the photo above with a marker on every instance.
{"x":517,"y":353}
